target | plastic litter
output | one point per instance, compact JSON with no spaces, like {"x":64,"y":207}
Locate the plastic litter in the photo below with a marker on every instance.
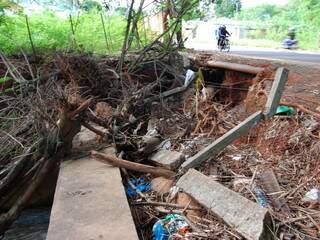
{"x":313,"y":196}
{"x":140,"y":185}
{"x":285,"y":110}
{"x":170,"y":225}
{"x":237,"y":157}
{"x":261,"y":197}
{"x":190,"y":76}
{"x":173,"y":192}
{"x":166,"y":144}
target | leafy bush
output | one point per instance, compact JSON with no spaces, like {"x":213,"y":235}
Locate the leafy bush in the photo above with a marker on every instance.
{"x":303,"y":15}
{"x":51,"y":32}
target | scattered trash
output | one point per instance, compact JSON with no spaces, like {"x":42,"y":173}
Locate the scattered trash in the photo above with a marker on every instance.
{"x":189,"y":145}
{"x":272,"y":188}
{"x":173,"y":193}
{"x":261,"y":197}
{"x":190,"y":76}
{"x":312,"y":197}
{"x":140,"y":185}
{"x":240,"y":183}
{"x":236,"y":157}
{"x":166,"y":144}
{"x":152,"y":133}
{"x":285,"y":110}
{"x":311,"y":124}
{"x":172,"y":224}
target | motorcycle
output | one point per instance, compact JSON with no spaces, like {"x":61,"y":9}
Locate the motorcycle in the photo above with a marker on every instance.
{"x":224,"y":44}
{"x":289,"y":44}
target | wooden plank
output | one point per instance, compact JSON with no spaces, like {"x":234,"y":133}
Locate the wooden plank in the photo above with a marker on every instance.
{"x":275,"y":94}
{"x":219,"y":144}
{"x":246,"y":217}
{"x":90,"y":203}
{"x":235,"y":67}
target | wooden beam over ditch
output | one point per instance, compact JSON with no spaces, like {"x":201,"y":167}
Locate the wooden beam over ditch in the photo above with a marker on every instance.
{"x":235,"y":67}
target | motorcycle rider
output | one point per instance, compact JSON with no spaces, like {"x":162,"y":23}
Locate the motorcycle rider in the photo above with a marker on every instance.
{"x":290,"y":42}
{"x":292,"y":33}
{"x":222,"y":33}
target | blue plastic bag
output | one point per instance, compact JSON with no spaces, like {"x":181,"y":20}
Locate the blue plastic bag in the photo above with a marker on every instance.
{"x":140,"y":184}
{"x":159,"y":232}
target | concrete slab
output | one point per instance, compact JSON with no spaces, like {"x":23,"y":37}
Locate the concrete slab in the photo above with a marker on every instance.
{"x":246,"y":217}
{"x":167,"y":159}
{"x":86,"y":139}
{"x":90,"y":203}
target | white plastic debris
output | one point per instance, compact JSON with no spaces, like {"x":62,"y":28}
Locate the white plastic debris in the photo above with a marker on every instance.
{"x":313,"y":196}
{"x":235,"y":157}
{"x":173,"y":192}
{"x":189,"y":145}
{"x":166,"y":144}
{"x":190,"y":76}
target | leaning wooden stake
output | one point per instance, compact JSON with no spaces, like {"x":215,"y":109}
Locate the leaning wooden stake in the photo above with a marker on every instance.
{"x":117,"y":162}
{"x":30,"y":37}
{"x":218,"y":145}
{"x":105,"y":33}
{"x":244,"y":127}
{"x":276,"y":92}
{"x":74,"y":43}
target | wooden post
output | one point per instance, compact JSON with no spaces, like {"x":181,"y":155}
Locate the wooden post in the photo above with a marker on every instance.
{"x":105,"y":33}
{"x":73,"y":32}
{"x":276,"y":92}
{"x":219,"y":144}
{"x":30,"y":37}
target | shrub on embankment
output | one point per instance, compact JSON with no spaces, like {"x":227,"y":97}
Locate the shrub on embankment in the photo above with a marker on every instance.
{"x":51,"y":32}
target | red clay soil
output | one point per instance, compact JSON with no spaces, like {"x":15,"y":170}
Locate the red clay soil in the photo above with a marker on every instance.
{"x":303,"y":86}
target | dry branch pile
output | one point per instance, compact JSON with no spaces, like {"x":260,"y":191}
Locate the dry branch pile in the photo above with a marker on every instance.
{"x":132,"y":110}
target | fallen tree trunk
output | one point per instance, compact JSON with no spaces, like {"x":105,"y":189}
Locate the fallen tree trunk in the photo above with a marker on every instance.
{"x":117,"y":162}
{"x":235,"y":67}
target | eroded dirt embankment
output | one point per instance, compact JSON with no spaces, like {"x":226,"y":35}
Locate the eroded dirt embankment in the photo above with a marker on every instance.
{"x":303,"y":86}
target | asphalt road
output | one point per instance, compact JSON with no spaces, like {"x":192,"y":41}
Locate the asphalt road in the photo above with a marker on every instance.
{"x":282,"y":54}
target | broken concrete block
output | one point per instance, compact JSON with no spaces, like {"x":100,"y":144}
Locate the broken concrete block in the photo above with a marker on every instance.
{"x":86,"y":138}
{"x":167,"y":159}
{"x":246,"y":217}
{"x":161,"y":185}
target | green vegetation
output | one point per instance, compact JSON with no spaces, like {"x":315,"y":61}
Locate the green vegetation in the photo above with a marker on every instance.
{"x":303,"y":15}
{"x":227,"y":8}
{"x":51,"y":32}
